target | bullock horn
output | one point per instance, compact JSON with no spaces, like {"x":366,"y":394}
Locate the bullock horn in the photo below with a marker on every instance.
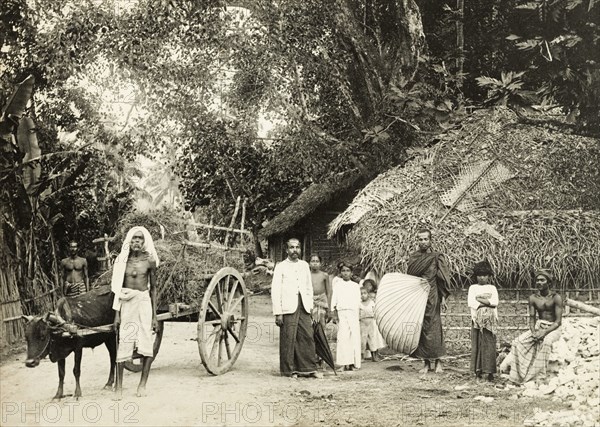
{"x":55,"y":318}
{"x":27,"y":318}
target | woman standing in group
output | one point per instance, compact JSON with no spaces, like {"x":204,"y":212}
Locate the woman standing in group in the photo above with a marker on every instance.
{"x":483,"y":302}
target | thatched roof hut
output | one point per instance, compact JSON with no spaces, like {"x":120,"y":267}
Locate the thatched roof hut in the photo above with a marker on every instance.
{"x":523,"y":195}
{"x":307,"y":217}
{"x":316,"y":195}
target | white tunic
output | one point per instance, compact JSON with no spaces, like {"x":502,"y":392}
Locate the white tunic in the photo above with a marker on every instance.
{"x":291,"y":278}
{"x":485,"y":290}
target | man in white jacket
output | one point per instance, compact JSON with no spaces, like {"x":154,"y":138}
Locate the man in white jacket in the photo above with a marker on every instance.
{"x":292,"y":296}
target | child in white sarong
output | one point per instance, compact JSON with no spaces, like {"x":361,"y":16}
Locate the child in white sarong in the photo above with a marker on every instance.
{"x":346,"y":303}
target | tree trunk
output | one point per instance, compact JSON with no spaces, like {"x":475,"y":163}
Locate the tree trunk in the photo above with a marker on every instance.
{"x":257,"y":247}
{"x":386,"y":50}
{"x":56,"y":274}
{"x":460,"y":41}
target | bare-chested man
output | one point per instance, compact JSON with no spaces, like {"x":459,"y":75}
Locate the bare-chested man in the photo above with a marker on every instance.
{"x":530,"y":351}
{"x":75,"y":273}
{"x":134,"y":285}
{"x":322,"y":291}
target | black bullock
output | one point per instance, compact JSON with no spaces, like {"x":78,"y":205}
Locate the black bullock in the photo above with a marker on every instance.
{"x":44,"y":334}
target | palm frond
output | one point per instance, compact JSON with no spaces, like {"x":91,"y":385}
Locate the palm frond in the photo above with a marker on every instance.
{"x":474,"y":183}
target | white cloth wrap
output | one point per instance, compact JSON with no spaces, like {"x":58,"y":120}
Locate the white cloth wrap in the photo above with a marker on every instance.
{"x":120,"y":263}
{"x":135,"y":330}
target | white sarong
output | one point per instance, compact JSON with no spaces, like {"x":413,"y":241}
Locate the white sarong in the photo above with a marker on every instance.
{"x":135,"y":330}
{"x":348,"y":339}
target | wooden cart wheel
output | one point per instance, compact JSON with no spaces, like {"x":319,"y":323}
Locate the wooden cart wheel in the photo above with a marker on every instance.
{"x":135,"y":365}
{"x":223,"y":321}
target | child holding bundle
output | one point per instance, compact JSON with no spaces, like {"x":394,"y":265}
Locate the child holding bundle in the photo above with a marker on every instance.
{"x":483,"y":302}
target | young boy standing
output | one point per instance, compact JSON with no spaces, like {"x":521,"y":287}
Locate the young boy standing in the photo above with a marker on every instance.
{"x":483,"y":302}
{"x":322,"y":291}
{"x":368,"y":327}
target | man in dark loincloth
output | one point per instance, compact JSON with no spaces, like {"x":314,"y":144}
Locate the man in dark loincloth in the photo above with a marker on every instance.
{"x":75,"y":273}
{"x":134,"y":286}
{"x":432,"y":267}
{"x":530,"y":351}
{"x":292,"y":297}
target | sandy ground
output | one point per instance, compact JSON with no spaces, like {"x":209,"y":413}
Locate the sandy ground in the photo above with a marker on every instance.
{"x":181,"y":392}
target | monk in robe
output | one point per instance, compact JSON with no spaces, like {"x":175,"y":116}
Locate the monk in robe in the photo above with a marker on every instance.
{"x":432,"y":267}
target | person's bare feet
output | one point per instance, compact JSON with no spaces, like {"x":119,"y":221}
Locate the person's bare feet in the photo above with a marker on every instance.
{"x":426,"y":367}
{"x":141,"y":392}
{"x":438,"y":367}
{"x":118,"y":395}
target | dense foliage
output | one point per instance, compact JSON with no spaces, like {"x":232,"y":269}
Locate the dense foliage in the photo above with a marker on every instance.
{"x":343,"y":83}
{"x":533,"y":51}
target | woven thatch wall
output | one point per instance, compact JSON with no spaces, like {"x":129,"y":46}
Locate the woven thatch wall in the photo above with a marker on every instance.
{"x":546,"y":215}
{"x":11,"y":326}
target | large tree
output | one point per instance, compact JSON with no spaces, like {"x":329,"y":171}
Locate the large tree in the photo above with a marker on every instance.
{"x":335,"y":75}
{"x":80,"y":188}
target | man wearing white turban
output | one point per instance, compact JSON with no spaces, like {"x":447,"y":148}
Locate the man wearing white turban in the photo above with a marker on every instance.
{"x":134,"y":285}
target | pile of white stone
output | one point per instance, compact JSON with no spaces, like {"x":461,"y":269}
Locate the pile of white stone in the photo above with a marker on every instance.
{"x":573,"y":375}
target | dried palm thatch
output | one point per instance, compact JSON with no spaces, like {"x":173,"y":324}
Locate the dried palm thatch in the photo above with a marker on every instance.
{"x":11,"y":325}
{"x":309,"y":200}
{"x":523,"y":196}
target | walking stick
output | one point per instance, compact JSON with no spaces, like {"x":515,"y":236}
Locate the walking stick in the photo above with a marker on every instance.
{"x":116,"y":353}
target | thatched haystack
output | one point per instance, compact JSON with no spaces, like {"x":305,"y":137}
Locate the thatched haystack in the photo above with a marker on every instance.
{"x":532,"y":200}
{"x":181,"y":274}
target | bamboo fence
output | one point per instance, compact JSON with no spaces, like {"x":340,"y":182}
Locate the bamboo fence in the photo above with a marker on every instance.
{"x":10,"y":305}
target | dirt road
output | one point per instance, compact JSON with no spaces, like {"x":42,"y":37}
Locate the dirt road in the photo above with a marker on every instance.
{"x":181,"y":392}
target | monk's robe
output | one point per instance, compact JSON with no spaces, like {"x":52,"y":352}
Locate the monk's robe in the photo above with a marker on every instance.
{"x":432,"y":267}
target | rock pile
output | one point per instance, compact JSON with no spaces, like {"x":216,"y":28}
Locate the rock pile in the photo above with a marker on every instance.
{"x":573,"y":375}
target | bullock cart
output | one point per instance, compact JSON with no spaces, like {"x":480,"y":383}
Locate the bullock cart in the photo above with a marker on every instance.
{"x":221,"y":312}
{"x":222,"y":322}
